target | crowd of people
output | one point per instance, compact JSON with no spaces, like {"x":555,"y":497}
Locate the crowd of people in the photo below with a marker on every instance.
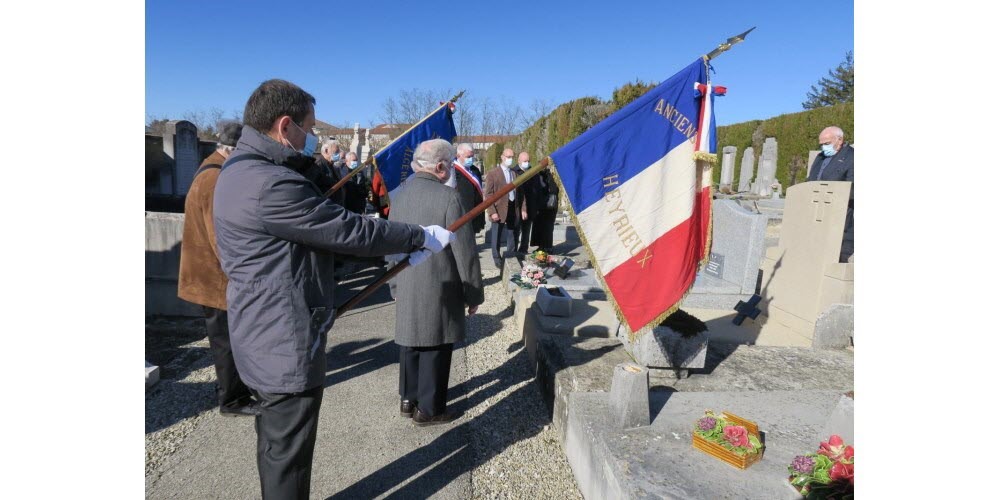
{"x":263,"y":232}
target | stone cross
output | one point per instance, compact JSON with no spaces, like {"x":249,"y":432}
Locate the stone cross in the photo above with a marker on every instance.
{"x":746,"y":169}
{"x":748,"y":308}
{"x":728,"y":166}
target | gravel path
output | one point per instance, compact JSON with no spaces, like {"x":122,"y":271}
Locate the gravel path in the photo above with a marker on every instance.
{"x":512,"y":452}
{"x":518,"y":450}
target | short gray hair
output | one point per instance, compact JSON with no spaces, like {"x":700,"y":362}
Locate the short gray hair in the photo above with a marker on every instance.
{"x":329,"y":144}
{"x":464,"y":147}
{"x":429,"y":153}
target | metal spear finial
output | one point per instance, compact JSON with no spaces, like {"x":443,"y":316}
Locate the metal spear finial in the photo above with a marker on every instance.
{"x":728,"y":44}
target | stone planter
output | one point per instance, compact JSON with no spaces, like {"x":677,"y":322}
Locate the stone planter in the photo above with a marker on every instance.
{"x":664,"y":348}
{"x":554,"y":301}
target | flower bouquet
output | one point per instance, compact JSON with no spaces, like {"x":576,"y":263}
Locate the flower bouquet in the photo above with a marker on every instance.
{"x":729,"y":438}
{"x":542,"y":259}
{"x":531,"y":276}
{"x":828,"y":473}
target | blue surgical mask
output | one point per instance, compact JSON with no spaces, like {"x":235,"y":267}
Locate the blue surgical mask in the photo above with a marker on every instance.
{"x":828,"y":150}
{"x":468,"y":162}
{"x":354,"y":165}
{"x":311,"y":142}
{"x":335,"y":157}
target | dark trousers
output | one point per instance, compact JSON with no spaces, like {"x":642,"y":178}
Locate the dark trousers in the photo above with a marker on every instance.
{"x":524,"y":237}
{"x":423,"y":376}
{"x":286,"y":438}
{"x":232,"y":391}
{"x":500,"y":230}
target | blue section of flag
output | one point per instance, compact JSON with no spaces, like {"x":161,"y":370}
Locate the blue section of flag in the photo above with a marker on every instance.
{"x":632,"y":139}
{"x":394,"y":161}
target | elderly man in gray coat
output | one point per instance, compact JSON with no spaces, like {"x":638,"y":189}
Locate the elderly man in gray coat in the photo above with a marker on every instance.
{"x":431,"y":300}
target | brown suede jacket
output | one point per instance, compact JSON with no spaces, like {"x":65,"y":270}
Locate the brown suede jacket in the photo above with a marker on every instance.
{"x":201,"y":280}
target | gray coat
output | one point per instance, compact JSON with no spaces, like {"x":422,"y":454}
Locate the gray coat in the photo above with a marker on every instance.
{"x":276,"y":235}
{"x":431,"y":298}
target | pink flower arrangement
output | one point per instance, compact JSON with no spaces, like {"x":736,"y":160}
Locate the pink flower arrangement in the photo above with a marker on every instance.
{"x":828,"y":473}
{"x":735,"y":438}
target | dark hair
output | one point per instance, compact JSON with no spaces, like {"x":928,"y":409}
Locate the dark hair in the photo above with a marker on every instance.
{"x":274,"y":99}
{"x":230,"y":132}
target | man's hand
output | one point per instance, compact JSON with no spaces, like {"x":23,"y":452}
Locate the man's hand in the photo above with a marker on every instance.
{"x":436,"y":238}
{"x":473,"y":309}
{"x":494,"y":217}
{"x":524,"y":215}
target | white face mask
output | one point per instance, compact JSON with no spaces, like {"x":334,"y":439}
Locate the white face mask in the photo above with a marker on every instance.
{"x":524,"y":165}
{"x":508,"y":162}
{"x":452,"y":181}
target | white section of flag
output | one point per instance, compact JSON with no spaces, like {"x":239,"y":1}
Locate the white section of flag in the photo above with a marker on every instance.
{"x":656,"y":201}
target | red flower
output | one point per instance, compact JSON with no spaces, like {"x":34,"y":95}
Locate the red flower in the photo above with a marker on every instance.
{"x":842,"y":472}
{"x":833,"y":448}
{"x":848,"y":453}
{"x":736,"y":435}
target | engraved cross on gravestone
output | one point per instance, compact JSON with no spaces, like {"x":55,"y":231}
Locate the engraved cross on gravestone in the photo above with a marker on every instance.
{"x":825,"y":193}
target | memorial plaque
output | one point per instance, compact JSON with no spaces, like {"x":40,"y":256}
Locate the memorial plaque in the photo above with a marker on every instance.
{"x":715,"y":265}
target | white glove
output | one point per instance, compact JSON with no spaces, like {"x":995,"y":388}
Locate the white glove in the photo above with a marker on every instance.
{"x":419,"y":256}
{"x":394,"y":258}
{"x":436,"y":238}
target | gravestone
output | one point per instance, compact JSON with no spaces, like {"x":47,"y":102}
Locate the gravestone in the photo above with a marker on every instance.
{"x":733,"y":263}
{"x":767,"y":168}
{"x":746,"y":170}
{"x":180,"y":143}
{"x":728,"y":166}
{"x":812,"y":158}
{"x":802,"y":275}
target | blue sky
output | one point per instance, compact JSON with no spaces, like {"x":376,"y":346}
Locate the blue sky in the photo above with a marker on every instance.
{"x":203,"y":55}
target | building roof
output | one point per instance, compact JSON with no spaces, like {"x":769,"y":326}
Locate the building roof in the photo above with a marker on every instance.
{"x":484,"y":138}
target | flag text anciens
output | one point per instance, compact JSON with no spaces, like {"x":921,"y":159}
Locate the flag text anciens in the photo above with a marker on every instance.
{"x":677,"y":119}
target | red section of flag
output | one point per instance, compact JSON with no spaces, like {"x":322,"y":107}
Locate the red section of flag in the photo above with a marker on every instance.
{"x":644,"y":290}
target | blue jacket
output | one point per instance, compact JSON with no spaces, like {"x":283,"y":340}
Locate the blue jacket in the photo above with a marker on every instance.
{"x":276,"y":235}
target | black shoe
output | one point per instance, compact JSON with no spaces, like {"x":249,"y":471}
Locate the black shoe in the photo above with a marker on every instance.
{"x":498,"y":264}
{"x":406,"y":408}
{"x":248,"y":410}
{"x":423,"y":420}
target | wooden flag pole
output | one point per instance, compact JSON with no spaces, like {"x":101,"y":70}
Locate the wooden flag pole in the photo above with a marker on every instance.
{"x":521,"y":179}
{"x":371,"y":158}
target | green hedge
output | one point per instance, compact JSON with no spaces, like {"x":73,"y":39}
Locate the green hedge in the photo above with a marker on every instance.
{"x":796,"y":133}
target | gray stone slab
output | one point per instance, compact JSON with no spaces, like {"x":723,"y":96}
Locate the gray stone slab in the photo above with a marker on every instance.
{"x":840,"y":422}
{"x":728,"y":168}
{"x":662,"y":347}
{"x":585,"y":320}
{"x":746,"y":169}
{"x":835,"y":327}
{"x":565,"y":364}
{"x":659,"y":461}
{"x":577,"y":279}
{"x":704,"y":283}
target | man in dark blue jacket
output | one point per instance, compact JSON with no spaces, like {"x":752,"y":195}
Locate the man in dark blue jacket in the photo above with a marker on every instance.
{"x":276,"y":236}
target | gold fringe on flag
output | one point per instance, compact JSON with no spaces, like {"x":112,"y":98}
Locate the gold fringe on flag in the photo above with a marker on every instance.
{"x":706,"y":156}
{"x":632,"y":336}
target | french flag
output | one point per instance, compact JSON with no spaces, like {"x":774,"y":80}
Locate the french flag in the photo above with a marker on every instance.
{"x":640,"y":186}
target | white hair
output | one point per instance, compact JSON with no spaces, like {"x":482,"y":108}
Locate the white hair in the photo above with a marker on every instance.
{"x":836,"y":131}
{"x":464,"y":147}
{"x":329,"y":144}
{"x":430,"y":153}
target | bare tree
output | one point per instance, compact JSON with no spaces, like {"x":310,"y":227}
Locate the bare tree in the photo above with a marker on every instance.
{"x":540,"y":108}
